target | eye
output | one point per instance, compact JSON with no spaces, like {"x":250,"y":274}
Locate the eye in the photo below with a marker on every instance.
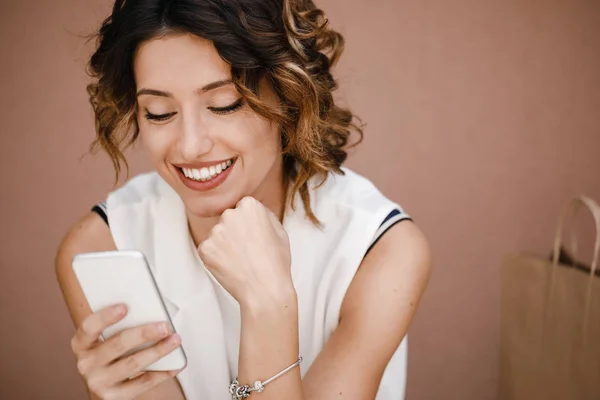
{"x":229,"y":109}
{"x":158,"y":117}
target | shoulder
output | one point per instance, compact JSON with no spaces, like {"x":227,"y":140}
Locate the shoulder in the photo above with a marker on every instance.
{"x":143,"y":187}
{"x":390,"y":281}
{"x":92,"y":234}
{"x":348,"y":186}
{"x":350,"y":190}
{"x":89,"y":234}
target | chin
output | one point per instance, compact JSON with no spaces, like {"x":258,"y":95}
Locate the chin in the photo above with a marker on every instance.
{"x":209,"y":208}
{"x":216,"y":213}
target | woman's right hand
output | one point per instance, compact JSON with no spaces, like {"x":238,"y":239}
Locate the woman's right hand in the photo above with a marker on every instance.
{"x":107,"y":373}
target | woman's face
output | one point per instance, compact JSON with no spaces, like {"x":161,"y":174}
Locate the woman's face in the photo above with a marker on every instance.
{"x":208,"y":145}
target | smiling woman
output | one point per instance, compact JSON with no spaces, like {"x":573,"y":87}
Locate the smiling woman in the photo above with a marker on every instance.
{"x":196,"y":118}
{"x":276,"y":54}
{"x":268,"y":253}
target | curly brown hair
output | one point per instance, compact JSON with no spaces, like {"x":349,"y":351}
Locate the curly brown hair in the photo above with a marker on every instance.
{"x":287,"y":41}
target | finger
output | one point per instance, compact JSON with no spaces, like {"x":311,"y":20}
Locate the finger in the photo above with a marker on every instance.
{"x":227,"y":214}
{"x":91,"y":328}
{"x":135,"y":363}
{"x":134,"y":387}
{"x":246,"y":201}
{"x":129,"y":339}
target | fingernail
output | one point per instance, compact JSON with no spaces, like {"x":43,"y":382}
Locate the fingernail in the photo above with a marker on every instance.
{"x":175,"y":339}
{"x":164,"y":329}
{"x":120,"y":310}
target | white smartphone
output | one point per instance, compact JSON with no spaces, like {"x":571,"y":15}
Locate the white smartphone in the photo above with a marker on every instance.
{"x":124,"y":277}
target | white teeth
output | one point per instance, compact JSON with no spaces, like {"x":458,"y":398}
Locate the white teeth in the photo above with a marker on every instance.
{"x":206,"y":173}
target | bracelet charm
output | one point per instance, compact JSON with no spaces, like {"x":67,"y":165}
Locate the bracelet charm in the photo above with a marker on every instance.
{"x":239,"y":392}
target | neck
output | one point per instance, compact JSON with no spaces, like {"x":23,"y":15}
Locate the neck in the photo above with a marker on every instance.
{"x":272,"y":193}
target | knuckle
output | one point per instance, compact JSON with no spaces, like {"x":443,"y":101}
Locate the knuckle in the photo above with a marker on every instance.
{"x":96,"y":385}
{"x":203,"y":248}
{"x":117,"y":344}
{"x":87,"y":326}
{"x":148,"y":333}
{"x":218,"y":230}
{"x":83,"y":366}
{"x":246,"y":201}
{"x":214,"y":235}
{"x":132,"y":364}
{"x":147,"y":380}
{"x":74,"y":344}
{"x":227,"y":214}
{"x":111,"y":395}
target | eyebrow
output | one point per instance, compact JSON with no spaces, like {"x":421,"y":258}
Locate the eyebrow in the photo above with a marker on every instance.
{"x":203,"y":89}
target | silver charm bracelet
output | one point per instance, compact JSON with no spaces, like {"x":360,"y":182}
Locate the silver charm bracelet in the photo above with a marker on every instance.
{"x":238,"y":391}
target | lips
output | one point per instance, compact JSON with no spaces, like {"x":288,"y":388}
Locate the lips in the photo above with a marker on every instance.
{"x":207,"y":173}
{"x":202,"y":177}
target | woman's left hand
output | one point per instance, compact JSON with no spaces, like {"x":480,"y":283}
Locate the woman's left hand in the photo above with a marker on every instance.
{"x":248,"y":252}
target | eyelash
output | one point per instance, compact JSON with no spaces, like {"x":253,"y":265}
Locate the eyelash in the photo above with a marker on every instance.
{"x":158,"y":117}
{"x":229,"y":109}
{"x":217,"y":110}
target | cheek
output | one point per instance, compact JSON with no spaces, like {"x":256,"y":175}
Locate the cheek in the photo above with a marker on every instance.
{"x":251,"y":136}
{"x":156,"y":142}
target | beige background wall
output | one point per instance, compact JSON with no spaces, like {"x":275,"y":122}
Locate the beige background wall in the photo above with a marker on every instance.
{"x":484,"y":118}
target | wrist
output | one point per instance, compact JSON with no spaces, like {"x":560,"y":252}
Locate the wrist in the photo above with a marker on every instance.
{"x":278,"y":304}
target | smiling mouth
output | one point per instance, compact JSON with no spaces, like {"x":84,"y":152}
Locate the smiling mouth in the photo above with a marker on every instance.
{"x":207,"y":173}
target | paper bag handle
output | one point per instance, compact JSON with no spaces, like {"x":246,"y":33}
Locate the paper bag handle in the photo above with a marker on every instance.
{"x":570,"y":212}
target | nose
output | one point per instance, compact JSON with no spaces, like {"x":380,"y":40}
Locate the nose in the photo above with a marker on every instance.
{"x":195,"y":139}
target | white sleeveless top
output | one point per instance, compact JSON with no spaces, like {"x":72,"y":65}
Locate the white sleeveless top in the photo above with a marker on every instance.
{"x":147,"y":215}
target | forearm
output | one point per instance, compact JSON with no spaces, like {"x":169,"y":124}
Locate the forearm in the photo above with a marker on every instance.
{"x":268,"y":344}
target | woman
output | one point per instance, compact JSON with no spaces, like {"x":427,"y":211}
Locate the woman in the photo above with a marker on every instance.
{"x":264,"y":248}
